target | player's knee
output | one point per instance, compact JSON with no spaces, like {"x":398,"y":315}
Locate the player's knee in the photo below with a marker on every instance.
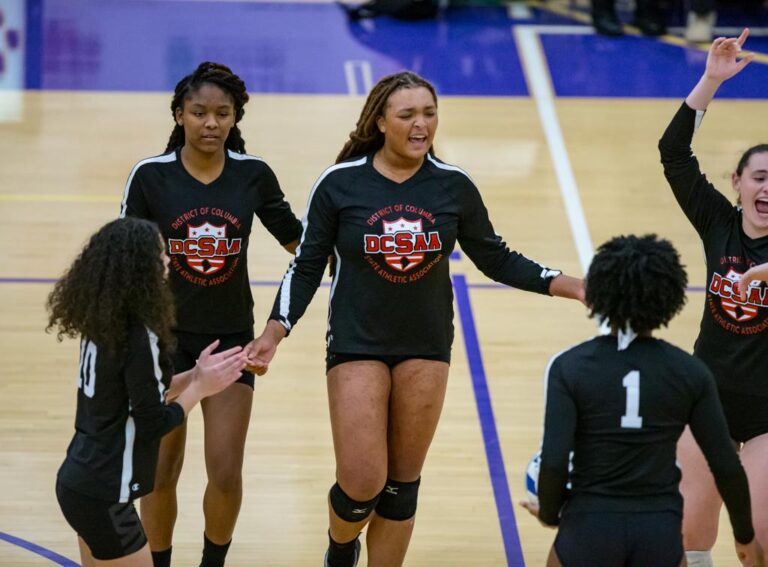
{"x":398,"y":500}
{"x":167,"y":473}
{"x":226,"y":479}
{"x":361,"y":483}
{"x":348,"y":509}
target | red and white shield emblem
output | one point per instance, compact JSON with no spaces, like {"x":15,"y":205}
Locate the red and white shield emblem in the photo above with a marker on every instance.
{"x":738,"y":311}
{"x":403,"y":262}
{"x":207,"y":235}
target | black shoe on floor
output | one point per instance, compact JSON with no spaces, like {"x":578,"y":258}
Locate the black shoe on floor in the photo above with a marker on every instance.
{"x":606,"y":22}
{"x":650,"y":23}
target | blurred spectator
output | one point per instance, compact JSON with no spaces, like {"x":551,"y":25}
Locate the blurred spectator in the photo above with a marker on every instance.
{"x":701,"y":21}
{"x":648,"y":18}
{"x":401,"y":9}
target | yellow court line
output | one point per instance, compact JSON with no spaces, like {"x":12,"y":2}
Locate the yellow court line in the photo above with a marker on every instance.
{"x":632,"y":30}
{"x":65,"y":198}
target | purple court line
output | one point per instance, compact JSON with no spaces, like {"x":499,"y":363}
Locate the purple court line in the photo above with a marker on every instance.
{"x":496,"y":468}
{"x":275,"y":283}
{"x":34,"y":548}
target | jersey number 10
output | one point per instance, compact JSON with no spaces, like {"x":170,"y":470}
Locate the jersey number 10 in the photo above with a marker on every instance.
{"x":631,"y":418}
{"x":86,"y":374}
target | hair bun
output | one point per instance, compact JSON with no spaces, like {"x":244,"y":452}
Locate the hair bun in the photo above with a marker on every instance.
{"x":210,"y":66}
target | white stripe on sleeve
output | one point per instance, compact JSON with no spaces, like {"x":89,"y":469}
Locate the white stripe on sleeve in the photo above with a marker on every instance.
{"x":285,"y":288}
{"x":165,"y":158}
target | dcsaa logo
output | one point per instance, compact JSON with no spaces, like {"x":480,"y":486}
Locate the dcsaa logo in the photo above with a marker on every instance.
{"x":403,"y":243}
{"x":724,"y":287}
{"x":206,"y":247}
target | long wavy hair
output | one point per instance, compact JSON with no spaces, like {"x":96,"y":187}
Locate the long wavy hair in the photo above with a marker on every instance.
{"x":366,"y":137}
{"x":222,"y":77}
{"x":636,"y":281}
{"x":117,"y":280}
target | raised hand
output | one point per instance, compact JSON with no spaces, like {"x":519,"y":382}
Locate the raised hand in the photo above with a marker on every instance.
{"x":722,"y":63}
{"x":722,"y":59}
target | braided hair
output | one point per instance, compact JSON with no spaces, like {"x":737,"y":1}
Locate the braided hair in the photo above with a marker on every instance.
{"x":636,"y":281}
{"x":222,"y":77}
{"x":366,"y":137}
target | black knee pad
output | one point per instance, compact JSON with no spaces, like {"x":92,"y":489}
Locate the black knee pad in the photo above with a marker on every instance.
{"x":398,"y":500}
{"x":350,"y":510}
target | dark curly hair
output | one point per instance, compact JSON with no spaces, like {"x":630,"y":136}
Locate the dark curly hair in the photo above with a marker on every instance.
{"x":116,"y":281}
{"x":222,"y":77}
{"x":636,"y":281}
{"x":366,"y":137}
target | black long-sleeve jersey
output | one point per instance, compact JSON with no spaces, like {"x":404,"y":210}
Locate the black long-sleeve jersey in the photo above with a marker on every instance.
{"x":391,"y":292}
{"x":121,"y":416}
{"x":207,"y":229}
{"x":732,"y":335}
{"x":622,"y":412}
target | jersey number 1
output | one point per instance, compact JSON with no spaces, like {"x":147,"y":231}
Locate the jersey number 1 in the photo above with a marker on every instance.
{"x":631,"y":418}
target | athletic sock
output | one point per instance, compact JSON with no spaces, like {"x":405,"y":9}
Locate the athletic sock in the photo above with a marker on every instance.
{"x":342,"y":554}
{"x":214,"y":554}
{"x":162,"y":558}
{"x":699,"y":558}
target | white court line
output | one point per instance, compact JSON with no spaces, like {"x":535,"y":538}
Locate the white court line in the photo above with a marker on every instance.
{"x":574,"y":29}
{"x":540,"y":86}
{"x":366,"y":75}
{"x":518,"y":10}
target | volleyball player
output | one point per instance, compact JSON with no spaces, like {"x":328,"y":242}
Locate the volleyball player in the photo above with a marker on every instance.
{"x":732,"y":334}
{"x":390,"y":213}
{"x":619,"y":403}
{"x":116,"y":298}
{"x":203,"y":193}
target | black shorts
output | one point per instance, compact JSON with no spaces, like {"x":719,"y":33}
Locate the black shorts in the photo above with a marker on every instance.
{"x":746,"y":414}
{"x":190,"y":345}
{"x":335,"y":358}
{"x":620,"y":539}
{"x":112,"y":530}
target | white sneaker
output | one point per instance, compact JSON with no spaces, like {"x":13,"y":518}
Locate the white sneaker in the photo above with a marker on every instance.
{"x":699,"y":28}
